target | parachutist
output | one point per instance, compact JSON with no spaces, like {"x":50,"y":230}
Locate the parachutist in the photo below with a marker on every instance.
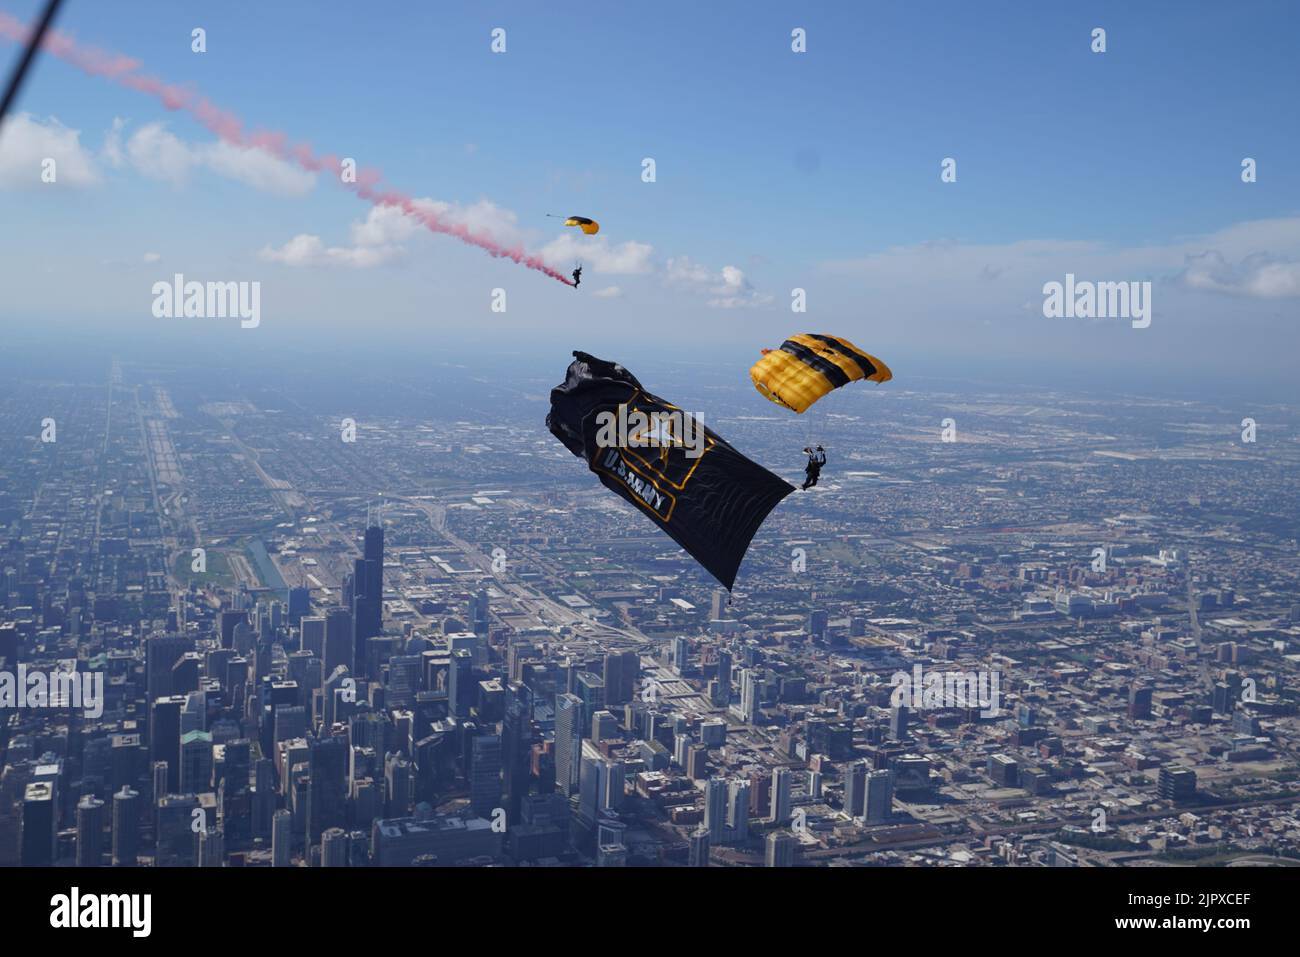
{"x":577,"y":277}
{"x":816,"y":459}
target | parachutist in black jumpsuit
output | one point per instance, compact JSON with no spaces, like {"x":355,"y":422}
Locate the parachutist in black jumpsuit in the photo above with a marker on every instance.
{"x":577,"y":277}
{"x":816,"y":459}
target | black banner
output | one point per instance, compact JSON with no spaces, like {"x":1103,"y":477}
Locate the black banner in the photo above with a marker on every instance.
{"x":685,"y":477}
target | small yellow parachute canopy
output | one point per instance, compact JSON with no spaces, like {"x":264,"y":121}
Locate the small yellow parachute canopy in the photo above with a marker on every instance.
{"x":588,"y":226}
{"x":811,"y":365}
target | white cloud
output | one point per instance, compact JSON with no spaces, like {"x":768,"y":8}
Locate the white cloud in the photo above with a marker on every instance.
{"x":727,"y":289}
{"x":25,"y":144}
{"x":258,"y":169}
{"x":601,"y":256}
{"x":152,"y":257}
{"x":307,"y":250}
{"x":1258,"y":259}
{"x":1258,"y":276}
{"x":112,"y":150}
{"x":157,"y":153}
{"x":609,"y":292}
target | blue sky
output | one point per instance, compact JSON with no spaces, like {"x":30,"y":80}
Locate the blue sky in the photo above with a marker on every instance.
{"x":775,"y":170}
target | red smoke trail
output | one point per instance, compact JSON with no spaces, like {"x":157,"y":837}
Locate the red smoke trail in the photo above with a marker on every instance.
{"x":227,"y":127}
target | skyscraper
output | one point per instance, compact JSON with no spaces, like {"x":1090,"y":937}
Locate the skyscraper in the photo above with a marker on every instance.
{"x":126,"y":820}
{"x":338,"y":641}
{"x":751,"y":695}
{"x":568,"y":742}
{"x":90,"y":831}
{"x":460,"y":683}
{"x":699,"y":852}
{"x":738,"y":813}
{"x":898,"y":722}
{"x":485,"y":774}
{"x":367,"y":595}
{"x":161,"y":652}
{"x":516,"y":742}
{"x":715,"y":809}
{"x":281,"y":839}
{"x":855,"y":788}
{"x":37,"y":826}
{"x":781,"y":781}
{"x":327,"y":792}
{"x":782,"y":849}
{"x":620,"y":674}
{"x":879,"y":797}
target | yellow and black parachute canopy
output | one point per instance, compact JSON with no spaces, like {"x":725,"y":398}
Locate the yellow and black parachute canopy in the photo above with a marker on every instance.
{"x":588,"y":226}
{"x":811,"y":365}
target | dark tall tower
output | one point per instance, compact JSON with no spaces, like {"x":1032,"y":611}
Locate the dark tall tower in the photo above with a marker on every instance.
{"x":126,"y":820}
{"x":327,"y":790}
{"x":367,"y":591}
{"x":90,"y":831}
{"x":516,"y":747}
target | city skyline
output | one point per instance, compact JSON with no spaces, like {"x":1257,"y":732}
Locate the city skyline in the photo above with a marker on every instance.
{"x":616,"y":439}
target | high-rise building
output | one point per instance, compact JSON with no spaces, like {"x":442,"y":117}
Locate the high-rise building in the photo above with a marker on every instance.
{"x":485,"y":775}
{"x":898,"y":716}
{"x":366,"y":593}
{"x":782,"y":778}
{"x":1139,"y":702}
{"x":161,"y":652}
{"x":478,"y":613}
{"x":311,"y":635}
{"x":227,"y":621}
{"x":817,"y":621}
{"x":299,"y":604}
{"x":781,"y":850}
{"x":738,"y":812}
{"x":37,"y":826}
{"x":1176,"y":784}
{"x":751,"y":695}
{"x":855,"y":788}
{"x":717,"y":603}
{"x":622,"y":668}
{"x":568,"y":742}
{"x":460,"y":683}
{"x":174,"y":830}
{"x":90,"y":831}
{"x":879,"y":797}
{"x":679,"y":654}
{"x":338,"y":641}
{"x":281,"y":839}
{"x":327,"y":792}
{"x":335,"y":848}
{"x":715,"y":809}
{"x":699,"y":852}
{"x":604,"y":726}
{"x":591,"y":689}
{"x":212,"y":847}
{"x":1004,"y":770}
{"x":516,"y":743}
{"x":126,"y":822}
{"x":196,"y":762}
{"x":724,"y":679}
{"x":165,"y":738}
